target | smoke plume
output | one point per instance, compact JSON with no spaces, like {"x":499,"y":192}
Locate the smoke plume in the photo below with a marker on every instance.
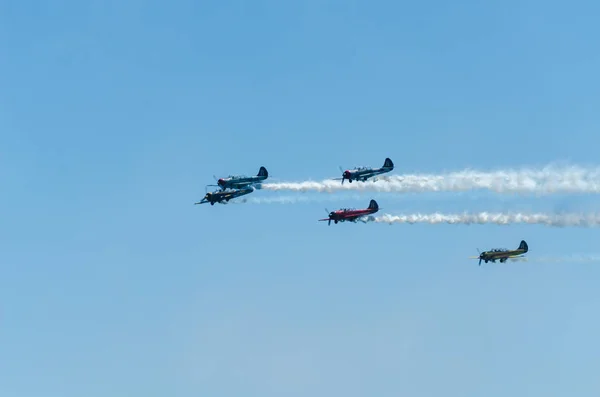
{"x":553,"y":220}
{"x":547,"y":180}
{"x":297,"y":199}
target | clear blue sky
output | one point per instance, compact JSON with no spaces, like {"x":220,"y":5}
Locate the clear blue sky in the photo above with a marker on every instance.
{"x":114,"y":115}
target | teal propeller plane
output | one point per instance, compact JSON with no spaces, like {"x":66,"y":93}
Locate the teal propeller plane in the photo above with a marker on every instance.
{"x":240,"y":181}
{"x":364,"y":173}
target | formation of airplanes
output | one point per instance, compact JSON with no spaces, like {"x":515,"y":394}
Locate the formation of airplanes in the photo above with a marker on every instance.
{"x":234,"y":186}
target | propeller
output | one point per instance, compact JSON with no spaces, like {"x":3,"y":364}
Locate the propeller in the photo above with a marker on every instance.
{"x":480,"y":257}
{"x":342,"y":171}
{"x":329,"y":216}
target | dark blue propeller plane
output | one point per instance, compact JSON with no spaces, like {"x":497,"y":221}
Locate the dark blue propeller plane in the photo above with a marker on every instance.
{"x":240,"y":181}
{"x":364,"y":173}
{"x":225,"y":195}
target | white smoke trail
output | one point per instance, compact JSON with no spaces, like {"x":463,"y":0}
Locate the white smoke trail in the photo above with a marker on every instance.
{"x":547,"y":180}
{"x":271,"y":200}
{"x":553,"y":220}
{"x":296,"y":199}
{"x":558,"y":259}
{"x":568,"y":259}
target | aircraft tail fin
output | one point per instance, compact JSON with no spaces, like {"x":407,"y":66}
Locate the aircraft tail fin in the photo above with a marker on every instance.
{"x":263,"y":172}
{"x":523,"y":246}
{"x":373,"y":205}
{"x":388,"y":163}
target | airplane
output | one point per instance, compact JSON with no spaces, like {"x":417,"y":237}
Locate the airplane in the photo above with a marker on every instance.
{"x":224,"y":195}
{"x":352,"y":215}
{"x":240,"y":181}
{"x":364,"y":173}
{"x":502,"y":254}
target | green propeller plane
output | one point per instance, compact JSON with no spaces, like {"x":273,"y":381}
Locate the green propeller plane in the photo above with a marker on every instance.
{"x":502,"y":254}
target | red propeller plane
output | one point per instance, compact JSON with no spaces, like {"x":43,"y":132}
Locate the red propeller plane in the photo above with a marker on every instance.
{"x":352,"y":215}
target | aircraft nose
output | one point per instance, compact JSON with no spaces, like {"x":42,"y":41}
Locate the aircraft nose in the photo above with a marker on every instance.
{"x":346,"y":173}
{"x":220,"y":181}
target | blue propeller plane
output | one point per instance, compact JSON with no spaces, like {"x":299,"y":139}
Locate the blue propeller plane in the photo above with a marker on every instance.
{"x":240,"y":181}
{"x":364,"y":173}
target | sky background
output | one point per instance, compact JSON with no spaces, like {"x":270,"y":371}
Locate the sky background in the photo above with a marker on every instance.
{"x":114,"y":116}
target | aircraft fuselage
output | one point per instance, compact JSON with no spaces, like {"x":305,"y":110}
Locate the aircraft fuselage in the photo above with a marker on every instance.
{"x":351,"y":214}
{"x":239,"y":182}
{"x":502,"y":254}
{"x":364,"y":173}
